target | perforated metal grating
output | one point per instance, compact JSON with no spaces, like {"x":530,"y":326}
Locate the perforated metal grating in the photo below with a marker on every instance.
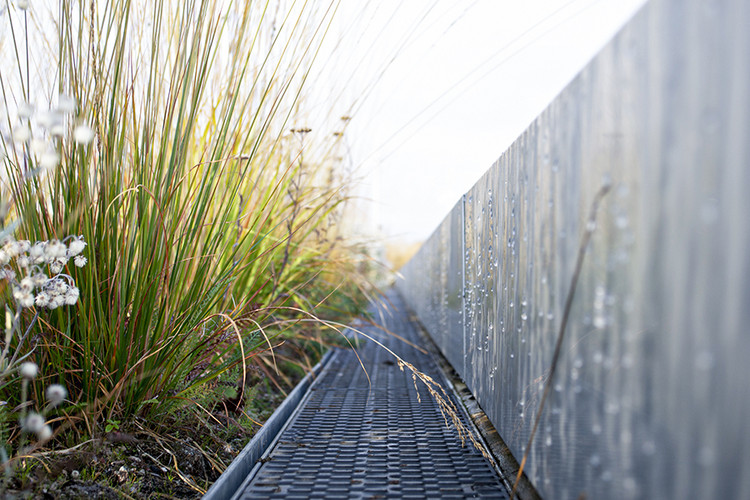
{"x":353,"y":439}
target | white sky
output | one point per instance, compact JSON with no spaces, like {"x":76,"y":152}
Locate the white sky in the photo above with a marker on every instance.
{"x":438,"y":90}
{"x":465,"y":79}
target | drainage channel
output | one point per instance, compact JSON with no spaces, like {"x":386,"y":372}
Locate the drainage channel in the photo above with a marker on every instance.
{"x":372,"y":433}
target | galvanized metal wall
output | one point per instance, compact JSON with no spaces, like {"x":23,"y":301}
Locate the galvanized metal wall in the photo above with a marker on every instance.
{"x":652,"y":396}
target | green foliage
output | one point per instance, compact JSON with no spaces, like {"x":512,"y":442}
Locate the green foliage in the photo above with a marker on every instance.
{"x":112,"y":425}
{"x":208,"y":231}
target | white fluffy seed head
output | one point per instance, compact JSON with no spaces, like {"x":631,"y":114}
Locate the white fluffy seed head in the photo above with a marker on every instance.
{"x":66,"y":104}
{"x":76,"y":246}
{"x":25,"y":109}
{"x":12,"y":248}
{"x":27,"y":284}
{"x":56,"y":394}
{"x":57,"y":130}
{"x":60,"y":287}
{"x":83,"y":134}
{"x":49,"y":160}
{"x":37,"y":250}
{"x":45,"y":433}
{"x":55,"y":267}
{"x":72,"y":296}
{"x":21,"y":133}
{"x":27,"y":300}
{"x":33,"y":422}
{"x":38,"y":146}
{"x":29,"y":370}
{"x":40,"y":279}
{"x":80,"y":261}
{"x":45,"y":119}
{"x":42,"y":299}
{"x":56,"y":249}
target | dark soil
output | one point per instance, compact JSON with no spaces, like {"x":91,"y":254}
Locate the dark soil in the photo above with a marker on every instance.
{"x":180,"y":459}
{"x":137,"y":469}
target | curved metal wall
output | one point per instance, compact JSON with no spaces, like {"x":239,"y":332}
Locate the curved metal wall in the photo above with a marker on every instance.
{"x":652,"y":395}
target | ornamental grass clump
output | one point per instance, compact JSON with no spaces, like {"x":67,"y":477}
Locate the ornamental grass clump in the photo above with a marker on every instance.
{"x":209,"y":227}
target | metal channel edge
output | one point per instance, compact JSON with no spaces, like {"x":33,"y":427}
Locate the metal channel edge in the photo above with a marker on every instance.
{"x":232,"y":479}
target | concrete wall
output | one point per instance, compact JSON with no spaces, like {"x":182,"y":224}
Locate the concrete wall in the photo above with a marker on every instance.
{"x":652,"y":394}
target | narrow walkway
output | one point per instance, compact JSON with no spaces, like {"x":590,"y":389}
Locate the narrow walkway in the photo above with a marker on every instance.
{"x":354,"y":438}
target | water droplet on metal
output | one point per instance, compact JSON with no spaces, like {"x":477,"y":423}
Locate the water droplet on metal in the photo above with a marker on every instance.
{"x":600,"y":322}
{"x":630,"y":486}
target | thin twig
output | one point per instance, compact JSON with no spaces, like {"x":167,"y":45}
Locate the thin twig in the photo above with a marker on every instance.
{"x":13,"y":359}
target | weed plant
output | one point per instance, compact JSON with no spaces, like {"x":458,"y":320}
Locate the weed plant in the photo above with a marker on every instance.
{"x":211,"y":232}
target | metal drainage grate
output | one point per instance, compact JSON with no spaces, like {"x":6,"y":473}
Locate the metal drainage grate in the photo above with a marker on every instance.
{"x":351,"y":439}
